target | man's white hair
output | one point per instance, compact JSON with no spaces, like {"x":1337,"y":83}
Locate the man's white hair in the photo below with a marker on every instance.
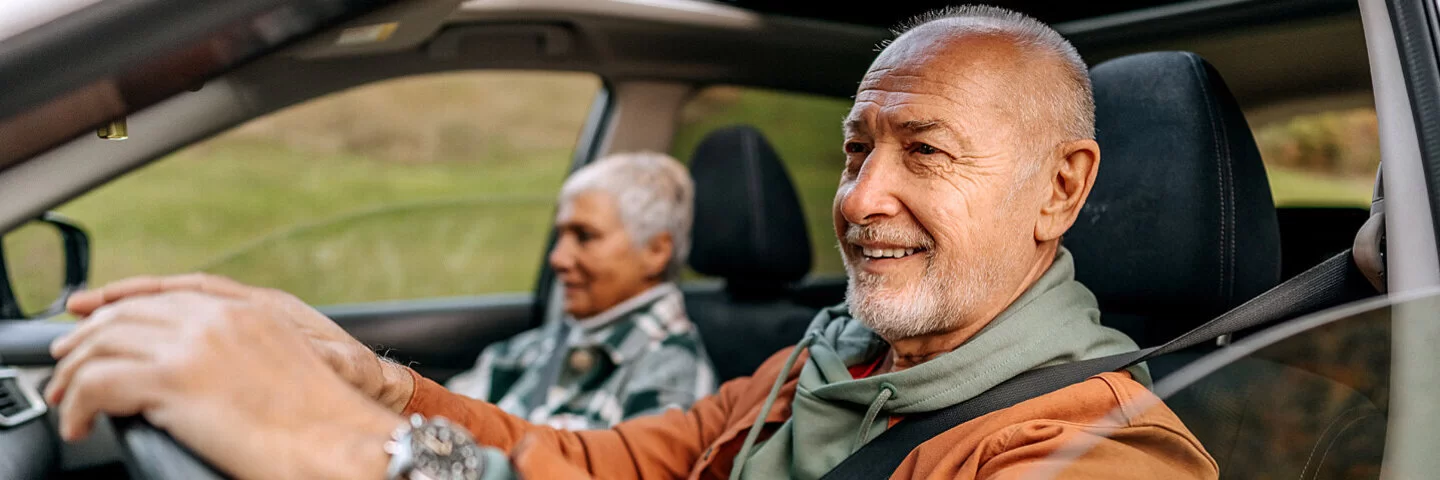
{"x":1073,"y":103}
{"x":653,"y":193}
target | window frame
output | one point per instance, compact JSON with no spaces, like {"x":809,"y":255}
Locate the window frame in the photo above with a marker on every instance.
{"x":587,"y":148}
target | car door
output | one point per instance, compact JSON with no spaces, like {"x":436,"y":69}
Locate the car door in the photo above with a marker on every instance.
{"x":415,"y":211}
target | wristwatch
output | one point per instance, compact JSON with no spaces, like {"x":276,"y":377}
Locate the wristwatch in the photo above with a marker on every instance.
{"x":433,"y":449}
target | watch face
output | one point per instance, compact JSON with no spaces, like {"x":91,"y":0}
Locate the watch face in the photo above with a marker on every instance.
{"x":444,"y":452}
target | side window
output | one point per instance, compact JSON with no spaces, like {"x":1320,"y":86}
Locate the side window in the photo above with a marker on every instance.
{"x":805,"y":130}
{"x":1323,"y":159}
{"x":1315,"y":404}
{"x":425,"y":186}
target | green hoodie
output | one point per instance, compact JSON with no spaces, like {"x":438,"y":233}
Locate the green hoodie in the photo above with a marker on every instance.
{"x":1055,"y":321}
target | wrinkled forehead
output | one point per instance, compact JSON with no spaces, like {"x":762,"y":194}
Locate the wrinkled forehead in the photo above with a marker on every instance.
{"x":955,"y":77}
{"x":948,"y":55}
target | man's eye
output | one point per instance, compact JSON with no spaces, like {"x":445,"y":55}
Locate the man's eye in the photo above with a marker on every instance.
{"x":924,"y":149}
{"x":855,"y":147}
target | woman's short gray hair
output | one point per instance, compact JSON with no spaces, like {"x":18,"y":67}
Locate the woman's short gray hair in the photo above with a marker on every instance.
{"x":653,"y":193}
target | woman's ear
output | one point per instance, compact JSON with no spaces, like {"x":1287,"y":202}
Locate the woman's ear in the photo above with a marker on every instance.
{"x":656,"y":254}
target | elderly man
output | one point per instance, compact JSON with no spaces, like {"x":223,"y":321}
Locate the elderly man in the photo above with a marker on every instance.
{"x":625,"y":348}
{"x":969,"y":152}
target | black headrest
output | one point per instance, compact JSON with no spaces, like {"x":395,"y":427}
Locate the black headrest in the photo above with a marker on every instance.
{"x":748,"y":222}
{"x":1180,"y":226}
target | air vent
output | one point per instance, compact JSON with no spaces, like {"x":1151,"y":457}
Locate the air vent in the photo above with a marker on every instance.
{"x":18,"y":403}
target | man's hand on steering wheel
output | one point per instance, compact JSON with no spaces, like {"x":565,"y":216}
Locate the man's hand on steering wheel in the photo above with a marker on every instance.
{"x":194,"y":363}
{"x":386,"y":382}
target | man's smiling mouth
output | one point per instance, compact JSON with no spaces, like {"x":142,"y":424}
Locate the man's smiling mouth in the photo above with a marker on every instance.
{"x":876,"y":253}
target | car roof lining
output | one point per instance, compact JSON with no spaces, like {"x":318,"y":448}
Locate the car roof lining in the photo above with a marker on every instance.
{"x":776,"y":52}
{"x":805,"y":56}
{"x":1049,"y":11}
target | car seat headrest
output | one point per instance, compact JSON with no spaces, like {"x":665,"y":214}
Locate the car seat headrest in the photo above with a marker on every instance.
{"x":1180,"y":226}
{"x":749,"y":226}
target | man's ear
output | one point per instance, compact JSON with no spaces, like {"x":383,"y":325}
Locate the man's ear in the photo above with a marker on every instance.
{"x":1068,"y":188}
{"x":656,"y":254}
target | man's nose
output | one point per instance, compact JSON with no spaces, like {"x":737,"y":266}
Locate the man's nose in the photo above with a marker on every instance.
{"x":872,"y":195}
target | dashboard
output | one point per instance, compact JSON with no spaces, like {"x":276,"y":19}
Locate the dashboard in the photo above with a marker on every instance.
{"x":30,"y":448}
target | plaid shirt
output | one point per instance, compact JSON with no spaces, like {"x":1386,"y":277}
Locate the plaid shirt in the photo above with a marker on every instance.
{"x":638,"y":358}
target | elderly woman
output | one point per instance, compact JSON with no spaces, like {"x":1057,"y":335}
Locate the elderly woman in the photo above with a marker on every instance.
{"x":625,"y":347}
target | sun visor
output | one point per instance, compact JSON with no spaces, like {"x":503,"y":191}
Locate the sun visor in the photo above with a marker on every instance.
{"x":401,"y":26}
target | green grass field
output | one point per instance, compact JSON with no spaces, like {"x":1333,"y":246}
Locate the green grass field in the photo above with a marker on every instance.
{"x":330,"y":228}
{"x":1295,"y":188}
{"x":338,"y":208}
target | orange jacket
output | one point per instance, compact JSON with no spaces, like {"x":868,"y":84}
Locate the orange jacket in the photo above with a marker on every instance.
{"x":1108,"y":427}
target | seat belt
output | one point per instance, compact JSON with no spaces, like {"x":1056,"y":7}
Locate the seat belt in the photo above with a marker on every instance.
{"x":558,"y":330}
{"x":1322,"y":286}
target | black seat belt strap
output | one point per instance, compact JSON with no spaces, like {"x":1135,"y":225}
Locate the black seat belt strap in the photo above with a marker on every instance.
{"x":1321,"y":286}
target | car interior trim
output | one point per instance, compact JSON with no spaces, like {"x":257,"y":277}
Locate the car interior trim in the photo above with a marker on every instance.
{"x":644,"y":116}
{"x":587,"y":149}
{"x":28,"y":404}
{"x":1161,"y":12}
{"x":1192,"y":18}
{"x":1412,"y":257}
{"x":94,"y":77}
{"x":712,"y":14}
{"x":1409,"y":232}
{"x":1413,"y":22}
{"x":75,"y":167}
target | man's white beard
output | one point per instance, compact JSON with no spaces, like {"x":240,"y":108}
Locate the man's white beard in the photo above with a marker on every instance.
{"x":935,"y":303}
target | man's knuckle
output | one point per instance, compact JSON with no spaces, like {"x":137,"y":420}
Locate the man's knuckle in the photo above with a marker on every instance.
{"x":89,"y":381}
{"x":104,"y":314}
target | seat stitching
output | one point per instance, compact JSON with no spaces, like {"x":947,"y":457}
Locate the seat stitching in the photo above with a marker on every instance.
{"x":1215,"y":132}
{"x":1334,"y":440}
{"x":1311,"y":458}
{"x":1234,"y":211}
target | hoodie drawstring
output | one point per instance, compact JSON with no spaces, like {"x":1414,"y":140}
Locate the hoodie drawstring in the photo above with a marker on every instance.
{"x":769,"y":402}
{"x":886,"y":391}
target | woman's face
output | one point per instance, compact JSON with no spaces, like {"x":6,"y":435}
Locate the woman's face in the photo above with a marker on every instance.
{"x":597,"y":261}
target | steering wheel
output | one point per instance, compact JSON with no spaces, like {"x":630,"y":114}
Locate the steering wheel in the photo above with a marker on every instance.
{"x":151,"y":454}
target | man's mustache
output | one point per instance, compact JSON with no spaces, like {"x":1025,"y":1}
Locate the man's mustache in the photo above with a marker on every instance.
{"x":888,"y":233}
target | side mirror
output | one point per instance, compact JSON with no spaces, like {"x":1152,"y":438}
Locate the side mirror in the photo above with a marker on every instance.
{"x":42,"y":263}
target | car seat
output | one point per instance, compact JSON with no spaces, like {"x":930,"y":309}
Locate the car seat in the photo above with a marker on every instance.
{"x":1181,"y":227}
{"x":750,"y":232}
